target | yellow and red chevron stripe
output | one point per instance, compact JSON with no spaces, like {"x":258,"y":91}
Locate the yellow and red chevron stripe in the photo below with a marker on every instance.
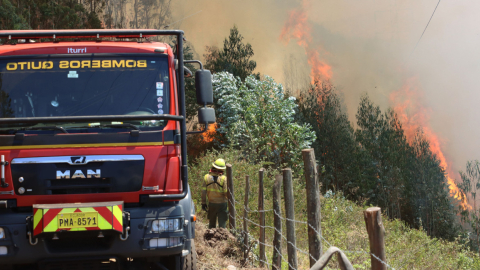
{"x":46,"y":216}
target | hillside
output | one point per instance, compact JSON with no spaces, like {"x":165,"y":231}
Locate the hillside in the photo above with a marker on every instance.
{"x":342,"y":226}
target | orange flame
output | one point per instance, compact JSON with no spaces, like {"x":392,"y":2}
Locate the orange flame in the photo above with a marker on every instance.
{"x":298,"y":27}
{"x":209,"y":135}
{"x":413,"y":115}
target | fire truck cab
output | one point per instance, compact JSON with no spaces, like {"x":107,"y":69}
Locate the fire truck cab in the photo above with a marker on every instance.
{"x":93,"y":150}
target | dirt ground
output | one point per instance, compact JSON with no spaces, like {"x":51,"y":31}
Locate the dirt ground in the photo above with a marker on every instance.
{"x":217,"y":249}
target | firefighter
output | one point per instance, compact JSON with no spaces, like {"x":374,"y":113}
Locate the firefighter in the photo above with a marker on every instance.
{"x":215,"y":188}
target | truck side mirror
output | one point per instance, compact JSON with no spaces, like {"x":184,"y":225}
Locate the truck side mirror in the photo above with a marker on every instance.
{"x":203,"y":87}
{"x":206,"y":116}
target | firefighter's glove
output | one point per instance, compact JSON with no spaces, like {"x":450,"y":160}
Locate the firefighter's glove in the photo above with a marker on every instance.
{"x":204,"y":207}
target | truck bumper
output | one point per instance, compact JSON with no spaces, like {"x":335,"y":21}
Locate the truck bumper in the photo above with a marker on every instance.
{"x":88,"y":244}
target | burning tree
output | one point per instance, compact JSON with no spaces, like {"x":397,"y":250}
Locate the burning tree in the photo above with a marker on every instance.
{"x":376,"y":163}
{"x":405,"y":178}
{"x":321,"y":107}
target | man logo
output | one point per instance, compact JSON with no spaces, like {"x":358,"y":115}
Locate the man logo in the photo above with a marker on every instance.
{"x":79,"y":174}
{"x":78,"y":160}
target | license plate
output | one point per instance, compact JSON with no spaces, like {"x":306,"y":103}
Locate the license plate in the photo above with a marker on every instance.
{"x":77,"y":220}
{"x":49,"y":218}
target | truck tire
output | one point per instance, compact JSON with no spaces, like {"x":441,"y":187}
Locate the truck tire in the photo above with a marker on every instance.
{"x":190,"y":261}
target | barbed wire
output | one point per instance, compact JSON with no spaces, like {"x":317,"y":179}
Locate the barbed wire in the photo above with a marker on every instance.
{"x":288,"y":242}
{"x":235,"y":202}
{"x":275,"y":229}
{"x":283,"y":236}
{"x":266,"y":244}
{"x":243,"y":205}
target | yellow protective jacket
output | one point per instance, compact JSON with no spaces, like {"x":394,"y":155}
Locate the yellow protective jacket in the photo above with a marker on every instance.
{"x":216,"y":192}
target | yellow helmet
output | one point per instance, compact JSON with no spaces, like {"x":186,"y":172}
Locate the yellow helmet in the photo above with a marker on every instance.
{"x":219,"y":164}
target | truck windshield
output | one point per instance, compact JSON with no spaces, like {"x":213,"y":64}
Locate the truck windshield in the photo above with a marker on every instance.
{"x":84,"y":86}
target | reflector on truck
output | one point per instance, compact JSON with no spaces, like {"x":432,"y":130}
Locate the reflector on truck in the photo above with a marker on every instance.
{"x":77,"y":217}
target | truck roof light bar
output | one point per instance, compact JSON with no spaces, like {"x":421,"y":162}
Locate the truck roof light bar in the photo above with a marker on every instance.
{"x":90,"y":33}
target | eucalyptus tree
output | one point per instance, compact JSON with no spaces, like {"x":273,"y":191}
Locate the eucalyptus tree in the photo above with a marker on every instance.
{"x":256,"y":116}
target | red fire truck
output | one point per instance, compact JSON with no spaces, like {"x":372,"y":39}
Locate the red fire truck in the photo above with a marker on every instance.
{"x":93,"y":150}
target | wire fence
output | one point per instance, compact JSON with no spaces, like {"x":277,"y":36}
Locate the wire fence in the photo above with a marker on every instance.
{"x":250,"y":244}
{"x":273,"y":229}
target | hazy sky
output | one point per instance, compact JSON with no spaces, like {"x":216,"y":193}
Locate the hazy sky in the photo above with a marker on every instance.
{"x":370,"y":46}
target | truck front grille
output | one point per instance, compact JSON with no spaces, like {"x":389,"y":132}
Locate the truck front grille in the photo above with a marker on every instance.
{"x":77,"y":174}
{"x":74,"y":186}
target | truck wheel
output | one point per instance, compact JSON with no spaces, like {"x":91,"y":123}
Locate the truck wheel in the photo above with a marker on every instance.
{"x":190,"y":261}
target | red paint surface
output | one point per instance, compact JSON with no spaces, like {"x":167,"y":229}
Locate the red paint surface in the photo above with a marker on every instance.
{"x":154,"y":173}
{"x":155,"y":156}
{"x":173,"y":183}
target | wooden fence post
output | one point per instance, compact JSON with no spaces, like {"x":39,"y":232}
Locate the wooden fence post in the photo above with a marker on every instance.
{"x":290,"y":214}
{"x":261,"y":207}
{"x":245,"y":215}
{"x":232,"y":213}
{"x":313,"y":206}
{"x":277,"y":240}
{"x":376,"y":233}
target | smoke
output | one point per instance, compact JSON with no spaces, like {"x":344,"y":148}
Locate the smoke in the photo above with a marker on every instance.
{"x":298,"y":27}
{"x":369,"y":47}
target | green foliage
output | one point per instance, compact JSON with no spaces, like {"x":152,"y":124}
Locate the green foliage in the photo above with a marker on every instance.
{"x":403,"y":178}
{"x":343,"y":223}
{"x":343,"y":226}
{"x":430,"y":205}
{"x":335,"y":145}
{"x":234,"y":58}
{"x":470,"y":185}
{"x":43,"y":14}
{"x":257,"y":114}
{"x":9,"y":19}
{"x":376,"y":163}
{"x":190,"y":92}
{"x":381,"y":136}
{"x":399,"y":172}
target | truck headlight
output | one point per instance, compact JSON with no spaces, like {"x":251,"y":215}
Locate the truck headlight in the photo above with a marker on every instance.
{"x":166,"y":225}
{"x":2,"y":233}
